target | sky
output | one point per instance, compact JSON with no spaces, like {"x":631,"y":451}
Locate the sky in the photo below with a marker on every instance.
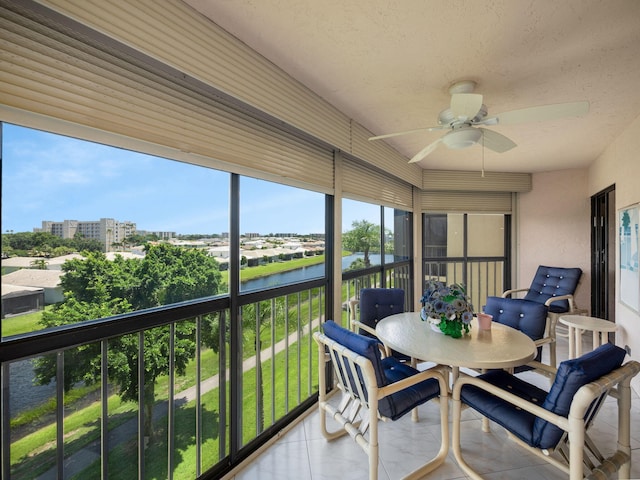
{"x":51,"y":177}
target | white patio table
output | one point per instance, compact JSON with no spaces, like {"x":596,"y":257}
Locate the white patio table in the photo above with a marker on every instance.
{"x":499,"y":347}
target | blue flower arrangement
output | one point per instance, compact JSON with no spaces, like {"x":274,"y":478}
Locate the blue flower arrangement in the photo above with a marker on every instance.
{"x":447,"y":307}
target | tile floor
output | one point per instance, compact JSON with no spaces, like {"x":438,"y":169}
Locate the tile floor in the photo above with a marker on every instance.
{"x":304,"y":454}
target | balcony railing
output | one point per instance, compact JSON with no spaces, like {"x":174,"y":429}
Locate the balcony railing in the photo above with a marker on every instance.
{"x":174,"y":392}
{"x":396,"y":275}
{"x":482,"y":277}
{"x":226,"y":383}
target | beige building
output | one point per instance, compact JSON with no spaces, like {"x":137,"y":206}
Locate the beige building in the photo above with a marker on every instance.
{"x":107,"y":230}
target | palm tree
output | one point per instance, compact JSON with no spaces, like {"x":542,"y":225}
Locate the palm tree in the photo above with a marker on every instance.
{"x":362,"y":238}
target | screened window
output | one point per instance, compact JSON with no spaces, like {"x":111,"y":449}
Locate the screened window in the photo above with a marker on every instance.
{"x":397,"y":227}
{"x":281,"y":234}
{"x":114,"y":229}
{"x":361,"y":235}
{"x":468,"y":249}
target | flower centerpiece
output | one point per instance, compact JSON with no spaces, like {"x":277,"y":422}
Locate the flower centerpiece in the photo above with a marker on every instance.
{"x":447,"y":308}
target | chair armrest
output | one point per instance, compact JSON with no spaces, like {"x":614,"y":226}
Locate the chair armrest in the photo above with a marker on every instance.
{"x":353,"y":303}
{"x":544,"y":341}
{"x":507,"y":293}
{"x":537,"y":410}
{"x":434,"y":372}
{"x":561,"y":297}
{"x":587,"y":393}
{"x":543,"y":368}
{"x":357,"y":324}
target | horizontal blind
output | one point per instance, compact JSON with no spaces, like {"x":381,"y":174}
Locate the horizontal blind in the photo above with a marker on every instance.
{"x":177,"y":35}
{"x":45,"y":70}
{"x":382,"y":156}
{"x":463,"y":181}
{"x":361,"y":182}
{"x":174,"y":34}
{"x":488,"y":202}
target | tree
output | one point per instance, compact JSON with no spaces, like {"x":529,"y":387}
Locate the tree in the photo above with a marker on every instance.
{"x":364,"y":237}
{"x":39,"y":264}
{"x":41,"y":243}
{"x":96,"y":288}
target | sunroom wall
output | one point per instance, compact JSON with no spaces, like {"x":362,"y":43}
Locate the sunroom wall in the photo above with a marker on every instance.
{"x":619,"y":165}
{"x":554,"y":228}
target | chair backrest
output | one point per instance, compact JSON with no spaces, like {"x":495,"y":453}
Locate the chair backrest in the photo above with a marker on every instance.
{"x":573,"y":374}
{"x":353,"y":380}
{"x":378,"y":303}
{"x":365,"y":346}
{"x":528,"y":317}
{"x":551,"y":282}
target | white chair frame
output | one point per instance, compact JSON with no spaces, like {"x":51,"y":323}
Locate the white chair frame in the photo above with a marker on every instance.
{"x":616,"y":383}
{"x":551,"y":332}
{"x":356,"y":416}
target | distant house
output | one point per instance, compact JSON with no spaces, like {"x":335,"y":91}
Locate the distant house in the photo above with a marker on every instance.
{"x":18,"y":299}
{"x":47,"y":280}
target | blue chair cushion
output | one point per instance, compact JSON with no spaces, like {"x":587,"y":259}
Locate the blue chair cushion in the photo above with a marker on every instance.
{"x":551,"y":282}
{"x":572,"y":374}
{"x":387,"y":371}
{"x":517,"y":421}
{"x":528,"y":317}
{"x":378,"y":303}
{"x":366,"y":346}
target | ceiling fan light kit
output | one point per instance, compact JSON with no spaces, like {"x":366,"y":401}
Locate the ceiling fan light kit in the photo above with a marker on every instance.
{"x":466,"y":113}
{"x":462,"y":137}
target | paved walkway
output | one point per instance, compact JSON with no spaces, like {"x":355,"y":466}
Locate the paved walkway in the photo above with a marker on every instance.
{"x":83,"y":459}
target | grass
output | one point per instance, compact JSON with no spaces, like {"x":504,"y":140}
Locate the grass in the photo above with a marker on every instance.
{"x":82,"y":427}
{"x":278,"y":267}
{"x":35,"y":452}
{"x":22,"y":323}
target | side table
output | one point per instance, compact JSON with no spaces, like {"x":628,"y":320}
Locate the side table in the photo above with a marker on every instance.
{"x":578,"y":324}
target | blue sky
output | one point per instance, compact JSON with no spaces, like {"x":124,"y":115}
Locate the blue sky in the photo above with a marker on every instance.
{"x":52,"y":177}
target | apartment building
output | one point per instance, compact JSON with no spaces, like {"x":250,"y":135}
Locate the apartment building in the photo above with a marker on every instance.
{"x":107,"y":230}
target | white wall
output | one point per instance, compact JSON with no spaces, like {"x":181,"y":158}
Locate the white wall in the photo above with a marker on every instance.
{"x":619,"y":164}
{"x":554,"y":223}
{"x":553,"y":228}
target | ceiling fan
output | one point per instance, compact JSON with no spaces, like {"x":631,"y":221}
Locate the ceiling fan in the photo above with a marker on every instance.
{"x":467,"y":112}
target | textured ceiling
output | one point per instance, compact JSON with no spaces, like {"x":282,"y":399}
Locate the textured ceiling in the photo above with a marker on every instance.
{"x":388,"y":65}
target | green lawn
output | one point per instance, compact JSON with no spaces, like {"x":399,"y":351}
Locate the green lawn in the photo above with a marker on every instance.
{"x":35,"y":452}
{"x":22,"y":323}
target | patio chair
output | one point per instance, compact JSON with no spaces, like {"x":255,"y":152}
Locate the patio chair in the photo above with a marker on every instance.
{"x":554,"y":425}
{"x":555,"y":288}
{"x":374,"y":388}
{"x":374,"y":305}
{"x":528,"y":317}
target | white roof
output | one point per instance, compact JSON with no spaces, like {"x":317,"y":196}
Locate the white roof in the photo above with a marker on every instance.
{"x":28,"y":277}
{"x":17,"y":290}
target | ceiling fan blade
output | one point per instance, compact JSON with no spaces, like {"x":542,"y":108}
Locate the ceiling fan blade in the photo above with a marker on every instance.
{"x":465,"y":106}
{"x":543,"y":112}
{"x":406,"y":132}
{"x":425,"y":151}
{"x":496,"y":141}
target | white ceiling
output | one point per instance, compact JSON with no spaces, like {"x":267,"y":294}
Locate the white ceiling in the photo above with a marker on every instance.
{"x":388,"y":65}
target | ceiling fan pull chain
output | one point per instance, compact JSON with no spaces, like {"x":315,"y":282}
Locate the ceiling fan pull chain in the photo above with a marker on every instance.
{"x":482,"y":153}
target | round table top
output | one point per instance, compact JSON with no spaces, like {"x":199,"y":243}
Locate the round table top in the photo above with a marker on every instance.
{"x":588,"y":323}
{"x":500,"y":347}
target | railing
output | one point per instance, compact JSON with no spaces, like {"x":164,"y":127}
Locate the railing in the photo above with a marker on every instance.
{"x":482,"y":277}
{"x":210,"y":387}
{"x":396,"y":275}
